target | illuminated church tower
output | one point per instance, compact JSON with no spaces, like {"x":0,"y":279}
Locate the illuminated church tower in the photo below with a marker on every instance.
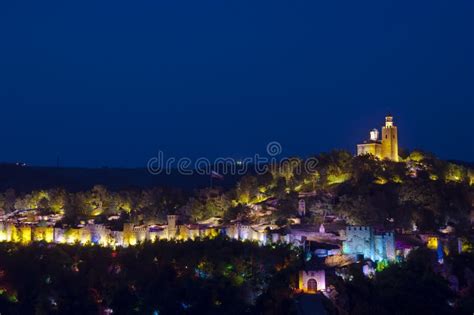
{"x":387,"y":147}
{"x":389,"y":140}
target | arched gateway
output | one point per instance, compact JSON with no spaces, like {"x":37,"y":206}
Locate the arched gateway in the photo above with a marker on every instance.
{"x":312,"y":285}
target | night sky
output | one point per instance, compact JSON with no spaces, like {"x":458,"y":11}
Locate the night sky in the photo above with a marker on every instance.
{"x":109,"y":83}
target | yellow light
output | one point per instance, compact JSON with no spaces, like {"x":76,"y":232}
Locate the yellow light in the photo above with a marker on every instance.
{"x":397,"y":179}
{"x":339,"y":178}
{"x":85,"y":237}
{"x":60,"y":239}
{"x":132,"y":241}
{"x":380,"y":181}
{"x":3,"y":236}
{"x":432,"y":243}
{"x":73,"y":236}
{"x":25,"y":234}
{"x":49,"y":235}
{"x":103,"y":241}
{"x":96,"y":212}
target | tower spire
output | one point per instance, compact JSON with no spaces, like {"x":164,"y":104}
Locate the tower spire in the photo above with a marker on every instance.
{"x":390,"y":140}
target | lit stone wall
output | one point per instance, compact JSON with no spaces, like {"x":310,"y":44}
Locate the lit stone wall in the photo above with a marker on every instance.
{"x":141,"y":233}
{"x":43,"y":233}
{"x":361,"y":240}
{"x":24,"y":234}
{"x":59,"y":236}
{"x":372,"y":148}
{"x":131,"y":235}
{"x":99,"y":234}
{"x":384,"y":247}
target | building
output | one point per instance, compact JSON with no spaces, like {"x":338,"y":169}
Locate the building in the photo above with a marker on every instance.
{"x":298,"y":234}
{"x":385,"y":148}
{"x":362,"y":241}
{"x":302,"y":208}
{"x":312,"y":279}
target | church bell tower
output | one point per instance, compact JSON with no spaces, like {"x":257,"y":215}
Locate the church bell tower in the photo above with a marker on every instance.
{"x":389,"y":140}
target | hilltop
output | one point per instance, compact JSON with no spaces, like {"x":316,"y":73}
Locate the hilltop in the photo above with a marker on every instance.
{"x":419,"y":191}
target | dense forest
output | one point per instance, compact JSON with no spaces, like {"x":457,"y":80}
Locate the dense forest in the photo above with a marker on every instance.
{"x":217,"y":276}
{"x":415,"y":286}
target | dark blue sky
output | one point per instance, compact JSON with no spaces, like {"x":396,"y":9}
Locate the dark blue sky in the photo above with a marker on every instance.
{"x":112,"y":82}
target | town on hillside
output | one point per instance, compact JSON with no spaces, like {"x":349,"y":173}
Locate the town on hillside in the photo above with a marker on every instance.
{"x":369,"y":210}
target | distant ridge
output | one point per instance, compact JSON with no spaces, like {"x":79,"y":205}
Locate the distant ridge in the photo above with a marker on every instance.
{"x":28,"y":178}
{"x":463,"y":163}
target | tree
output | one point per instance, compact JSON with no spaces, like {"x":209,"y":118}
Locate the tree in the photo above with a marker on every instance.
{"x":9,"y":198}
{"x":413,"y":287}
{"x":424,"y":200}
{"x":238,"y":212}
{"x":455,"y":173}
{"x":57,"y":200}
{"x":336,"y":166}
{"x":247,"y":190}
{"x":408,"y":288}
{"x":100,"y":200}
